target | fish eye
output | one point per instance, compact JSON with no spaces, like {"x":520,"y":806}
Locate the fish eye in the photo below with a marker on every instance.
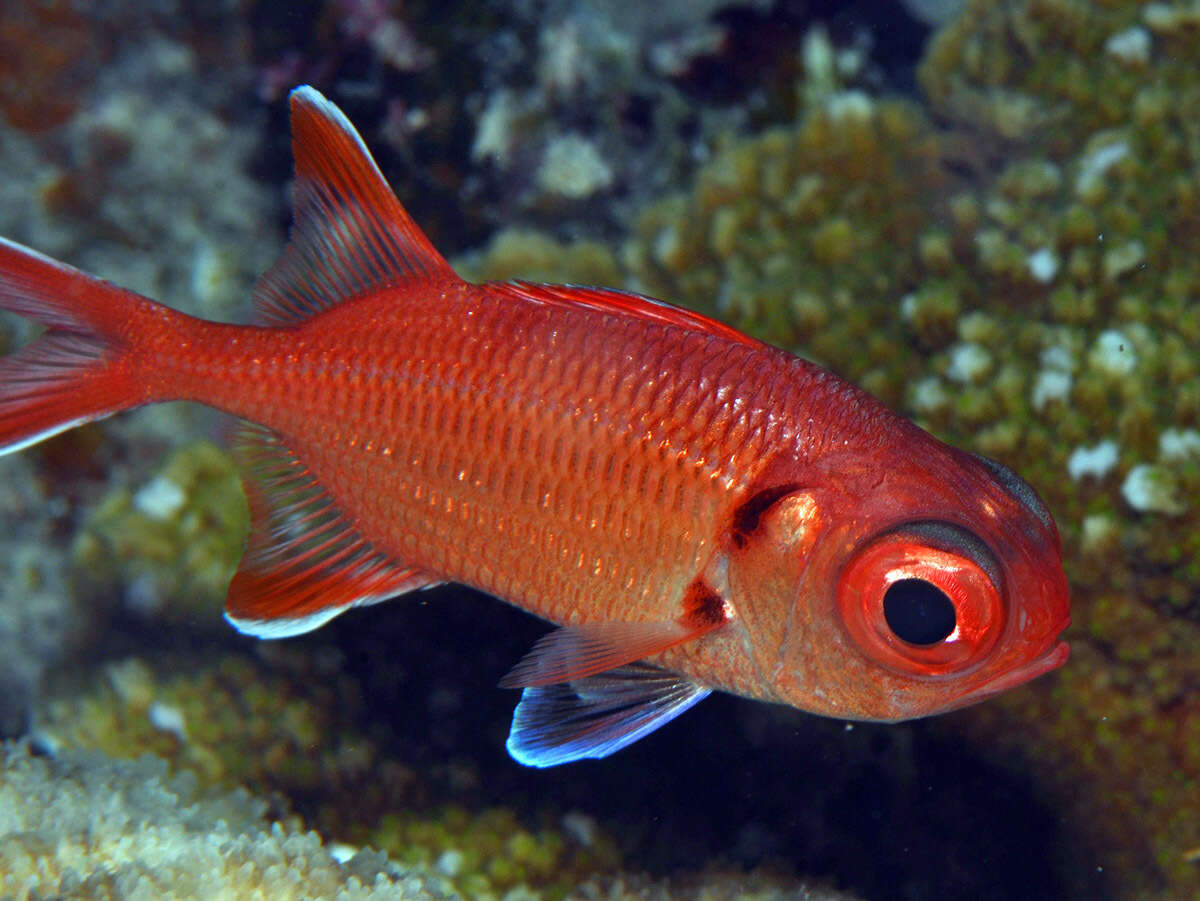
{"x":918,"y":612}
{"x":923,"y":599}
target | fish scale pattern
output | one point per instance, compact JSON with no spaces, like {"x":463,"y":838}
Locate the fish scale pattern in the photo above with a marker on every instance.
{"x":437,"y":429}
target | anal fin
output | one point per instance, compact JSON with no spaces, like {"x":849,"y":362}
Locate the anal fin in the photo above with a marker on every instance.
{"x":304,"y":562}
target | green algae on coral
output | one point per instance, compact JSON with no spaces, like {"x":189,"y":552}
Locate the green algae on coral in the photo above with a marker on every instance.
{"x":529,"y":255}
{"x":787,"y":235}
{"x":171,"y":546}
{"x":290,"y":732}
{"x":241,"y":721}
{"x":286,"y":729}
{"x":489,"y":853}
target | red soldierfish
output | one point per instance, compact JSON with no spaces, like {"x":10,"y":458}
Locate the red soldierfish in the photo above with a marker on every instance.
{"x":696,"y":510}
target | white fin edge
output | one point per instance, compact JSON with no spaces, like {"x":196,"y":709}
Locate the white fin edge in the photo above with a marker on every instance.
{"x":31,"y":440}
{"x":598,"y":715}
{"x":311,"y":96}
{"x":271,"y":629}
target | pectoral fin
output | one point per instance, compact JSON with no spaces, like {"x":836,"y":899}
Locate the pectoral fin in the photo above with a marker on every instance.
{"x":586,"y":693}
{"x":596,"y":715}
{"x":574,"y":652}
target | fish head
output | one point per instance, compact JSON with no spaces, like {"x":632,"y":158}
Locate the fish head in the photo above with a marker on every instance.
{"x":917,"y":585}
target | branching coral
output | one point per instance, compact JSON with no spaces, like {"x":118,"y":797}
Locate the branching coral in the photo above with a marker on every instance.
{"x":83,"y":825}
{"x":290,"y":731}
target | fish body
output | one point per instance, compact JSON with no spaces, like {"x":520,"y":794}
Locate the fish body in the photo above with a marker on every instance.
{"x":695,"y":509}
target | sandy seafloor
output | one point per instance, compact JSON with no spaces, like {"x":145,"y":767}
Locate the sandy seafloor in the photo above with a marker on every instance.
{"x":1036,"y":224}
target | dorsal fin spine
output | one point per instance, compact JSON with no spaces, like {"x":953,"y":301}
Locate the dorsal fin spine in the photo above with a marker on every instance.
{"x":350,"y":234}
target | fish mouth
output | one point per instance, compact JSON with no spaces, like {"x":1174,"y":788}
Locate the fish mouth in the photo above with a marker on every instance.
{"x":1050,"y":659}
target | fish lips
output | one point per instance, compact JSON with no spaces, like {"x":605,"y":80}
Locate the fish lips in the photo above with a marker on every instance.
{"x":1050,"y":659}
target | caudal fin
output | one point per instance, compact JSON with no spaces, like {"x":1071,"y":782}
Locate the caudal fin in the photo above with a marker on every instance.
{"x":78,"y":370}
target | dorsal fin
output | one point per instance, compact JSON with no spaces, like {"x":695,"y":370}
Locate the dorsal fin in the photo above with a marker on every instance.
{"x":305,"y":562}
{"x":350,"y":234}
{"x":621,"y":303}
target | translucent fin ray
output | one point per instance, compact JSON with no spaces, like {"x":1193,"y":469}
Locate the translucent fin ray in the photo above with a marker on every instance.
{"x":350,"y":233}
{"x":574,"y":652}
{"x":65,"y":298}
{"x":305,"y":562}
{"x":622,"y":303}
{"x":79,"y":371}
{"x":597,"y":715}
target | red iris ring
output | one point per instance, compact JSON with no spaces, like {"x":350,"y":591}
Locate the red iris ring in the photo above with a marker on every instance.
{"x":979,"y":608}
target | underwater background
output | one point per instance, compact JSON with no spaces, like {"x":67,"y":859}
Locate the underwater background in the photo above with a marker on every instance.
{"x":986,"y":213}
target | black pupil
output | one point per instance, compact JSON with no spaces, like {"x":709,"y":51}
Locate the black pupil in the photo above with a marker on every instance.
{"x":918,"y":612}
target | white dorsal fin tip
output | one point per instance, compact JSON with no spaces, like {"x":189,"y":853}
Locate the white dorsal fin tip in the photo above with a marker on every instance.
{"x":350,"y":234}
{"x":307,"y":95}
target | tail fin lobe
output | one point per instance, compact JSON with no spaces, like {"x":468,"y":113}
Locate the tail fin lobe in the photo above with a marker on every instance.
{"x":77,"y":371}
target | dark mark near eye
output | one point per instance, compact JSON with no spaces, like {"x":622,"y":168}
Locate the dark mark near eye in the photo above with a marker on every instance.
{"x":747,"y":516}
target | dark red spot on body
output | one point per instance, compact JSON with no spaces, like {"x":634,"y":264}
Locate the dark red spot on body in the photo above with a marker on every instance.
{"x":702,"y":606}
